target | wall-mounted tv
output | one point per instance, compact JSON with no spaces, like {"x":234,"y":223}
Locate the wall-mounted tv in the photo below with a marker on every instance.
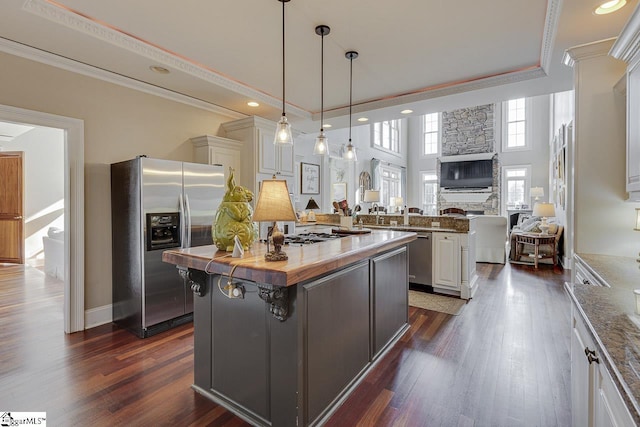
{"x":471,"y":174}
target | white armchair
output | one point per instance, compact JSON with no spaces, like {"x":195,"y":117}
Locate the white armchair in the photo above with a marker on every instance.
{"x":53,"y":244}
{"x":491,"y":238}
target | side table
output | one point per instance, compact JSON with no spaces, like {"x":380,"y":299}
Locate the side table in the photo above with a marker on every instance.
{"x":536,"y":240}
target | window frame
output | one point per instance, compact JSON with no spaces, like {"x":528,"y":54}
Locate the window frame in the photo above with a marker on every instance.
{"x":423,"y":182}
{"x":397,"y":143}
{"x":528,"y":127}
{"x":505,"y":187}
{"x":439,"y":136}
{"x":385,"y":195}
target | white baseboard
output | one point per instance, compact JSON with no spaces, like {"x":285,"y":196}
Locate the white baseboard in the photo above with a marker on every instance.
{"x":97,"y":316}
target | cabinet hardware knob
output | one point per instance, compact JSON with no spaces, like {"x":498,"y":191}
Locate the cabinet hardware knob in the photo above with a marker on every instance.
{"x":17,"y":217}
{"x":591,"y":356}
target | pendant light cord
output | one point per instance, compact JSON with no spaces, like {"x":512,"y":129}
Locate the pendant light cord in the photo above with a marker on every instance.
{"x":322,"y":83}
{"x":283,"y":67}
{"x":350,"y":93}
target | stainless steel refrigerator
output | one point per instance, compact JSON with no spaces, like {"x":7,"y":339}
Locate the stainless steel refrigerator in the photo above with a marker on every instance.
{"x":157,"y":205}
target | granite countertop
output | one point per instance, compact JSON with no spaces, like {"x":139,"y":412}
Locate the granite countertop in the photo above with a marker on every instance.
{"x":304,"y":263}
{"x":609,"y":313}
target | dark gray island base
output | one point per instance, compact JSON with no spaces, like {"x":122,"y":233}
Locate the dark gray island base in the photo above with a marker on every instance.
{"x":291,"y":350}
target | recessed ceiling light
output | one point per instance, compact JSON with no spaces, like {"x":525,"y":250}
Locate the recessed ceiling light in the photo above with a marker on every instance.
{"x":326,"y":125}
{"x":363,"y":119}
{"x":158,"y":69}
{"x":253,"y":104}
{"x":406,"y":111}
{"x":609,"y":6}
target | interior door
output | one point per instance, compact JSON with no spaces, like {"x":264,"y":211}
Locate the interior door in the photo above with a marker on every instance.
{"x":11,"y":207}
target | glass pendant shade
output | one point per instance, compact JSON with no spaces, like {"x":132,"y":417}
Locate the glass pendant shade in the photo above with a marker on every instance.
{"x":283,"y":128}
{"x":283,"y":132}
{"x":322,"y":144}
{"x":350,"y":153}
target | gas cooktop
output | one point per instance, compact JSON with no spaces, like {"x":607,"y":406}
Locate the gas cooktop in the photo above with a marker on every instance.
{"x":309,"y":238}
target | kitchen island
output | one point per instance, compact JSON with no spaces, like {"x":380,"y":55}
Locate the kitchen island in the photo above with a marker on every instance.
{"x":298,"y":335}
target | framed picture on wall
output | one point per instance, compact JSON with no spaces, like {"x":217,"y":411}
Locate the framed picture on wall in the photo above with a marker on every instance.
{"x":339,"y":190}
{"x":309,"y":178}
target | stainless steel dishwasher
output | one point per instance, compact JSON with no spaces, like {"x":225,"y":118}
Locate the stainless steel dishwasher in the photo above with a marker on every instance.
{"x":420,"y":260}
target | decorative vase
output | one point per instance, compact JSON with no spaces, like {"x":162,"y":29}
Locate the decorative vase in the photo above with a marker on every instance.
{"x":233,"y":218}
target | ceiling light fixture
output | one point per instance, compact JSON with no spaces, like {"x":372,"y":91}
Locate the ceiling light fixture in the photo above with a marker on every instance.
{"x":158,"y":69}
{"x":609,"y":6}
{"x":322,"y":143}
{"x":253,"y":104}
{"x":363,"y":119}
{"x":406,"y":111}
{"x":350,"y":152}
{"x":283,"y":129}
{"x":326,"y":125}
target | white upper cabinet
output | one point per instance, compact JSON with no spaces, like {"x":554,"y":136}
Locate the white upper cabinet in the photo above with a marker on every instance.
{"x":627,"y":48}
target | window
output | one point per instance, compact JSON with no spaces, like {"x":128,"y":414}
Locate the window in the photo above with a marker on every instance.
{"x":386,"y":135}
{"x":516,"y":182}
{"x":430,"y":134}
{"x":429,"y":192}
{"x":516,"y":130}
{"x":391,"y":184}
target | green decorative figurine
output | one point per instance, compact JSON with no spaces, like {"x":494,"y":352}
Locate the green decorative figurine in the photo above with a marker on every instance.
{"x":233,"y":218}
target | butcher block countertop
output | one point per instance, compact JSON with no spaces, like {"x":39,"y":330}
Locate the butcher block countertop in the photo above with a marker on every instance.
{"x":304,"y":263}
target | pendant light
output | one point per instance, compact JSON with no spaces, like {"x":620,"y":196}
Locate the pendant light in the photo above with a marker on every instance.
{"x":322,"y":142}
{"x":283,"y":128}
{"x":350,"y":151}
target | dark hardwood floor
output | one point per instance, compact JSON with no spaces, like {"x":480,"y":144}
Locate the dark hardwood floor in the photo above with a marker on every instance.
{"x":504,"y":361}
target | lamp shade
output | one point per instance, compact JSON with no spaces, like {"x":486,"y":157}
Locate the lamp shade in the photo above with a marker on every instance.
{"x":372,"y":196}
{"x":274,"y":203}
{"x":537,"y":192}
{"x":544,"y":210}
{"x":311,"y":204}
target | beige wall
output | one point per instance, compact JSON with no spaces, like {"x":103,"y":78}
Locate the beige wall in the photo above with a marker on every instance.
{"x":119,"y":124}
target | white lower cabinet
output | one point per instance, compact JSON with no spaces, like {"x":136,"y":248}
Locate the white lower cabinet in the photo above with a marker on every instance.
{"x":446,"y":260}
{"x":595,"y":399}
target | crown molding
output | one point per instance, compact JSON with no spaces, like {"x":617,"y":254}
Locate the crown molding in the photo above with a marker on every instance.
{"x":156,"y":54}
{"x":628,"y":43}
{"x":587,"y":51}
{"x":453,"y":89}
{"x":554,"y":7}
{"x":47,"y":58}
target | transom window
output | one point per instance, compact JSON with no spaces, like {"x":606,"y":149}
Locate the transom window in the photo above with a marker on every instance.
{"x":516,"y":186}
{"x":430,"y":134}
{"x":386,"y":135}
{"x":429,"y":192}
{"x":516,"y":115}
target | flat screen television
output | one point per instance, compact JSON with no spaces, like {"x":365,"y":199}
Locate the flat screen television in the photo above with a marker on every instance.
{"x":471,"y":174}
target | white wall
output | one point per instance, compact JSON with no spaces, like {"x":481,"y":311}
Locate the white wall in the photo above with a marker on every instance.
{"x":361,"y":139}
{"x":43,"y":163}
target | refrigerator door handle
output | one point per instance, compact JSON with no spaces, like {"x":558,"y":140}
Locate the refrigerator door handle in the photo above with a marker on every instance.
{"x":188,"y":225}
{"x":182,"y":221}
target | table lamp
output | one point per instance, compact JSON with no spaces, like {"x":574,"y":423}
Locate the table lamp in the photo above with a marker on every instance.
{"x":372,"y":196}
{"x":544,"y":210}
{"x":311,"y":204}
{"x":274,"y":204}
{"x":536,"y":193}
